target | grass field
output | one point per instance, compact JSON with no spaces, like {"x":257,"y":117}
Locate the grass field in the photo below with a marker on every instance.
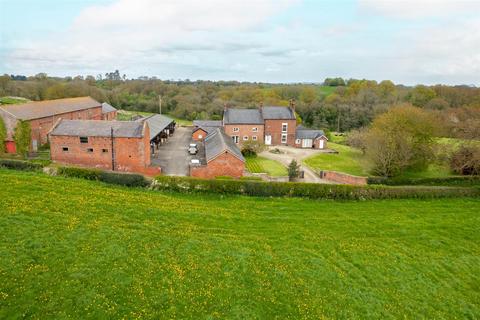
{"x":78,"y":249}
{"x":264,"y":165}
{"x":12,"y":100}
{"x":348,"y":160}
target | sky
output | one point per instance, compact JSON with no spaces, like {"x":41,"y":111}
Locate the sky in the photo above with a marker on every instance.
{"x":279,"y":41}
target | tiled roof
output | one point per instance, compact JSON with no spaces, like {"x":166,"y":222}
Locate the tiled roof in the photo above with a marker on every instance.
{"x":218,"y":142}
{"x":274,"y":113}
{"x":242,"y":116}
{"x":305,"y":133}
{"x":41,"y":109}
{"x":207,"y":123}
{"x":157,"y":123}
{"x":106,"y":108}
{"x":98,"y":128}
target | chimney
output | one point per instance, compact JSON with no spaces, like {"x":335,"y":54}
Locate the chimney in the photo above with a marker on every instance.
{"x":292,"y":104}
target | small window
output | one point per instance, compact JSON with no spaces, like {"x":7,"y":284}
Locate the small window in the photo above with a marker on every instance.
{"x":245,"y":138}
{"x":297,"y":141}
{"x":104,"y":150}
{"x":90,"y":150}
{"x":235,"y":139}
{"x":254,"y":138}
{"x":255,"y":129}
{"x":284,"y":127}
{"x":200,"y":136}
{"x":83,"y":139}
{"x":65,"y":149}
{"x":236,"y":129}
{"x":284,"y":138}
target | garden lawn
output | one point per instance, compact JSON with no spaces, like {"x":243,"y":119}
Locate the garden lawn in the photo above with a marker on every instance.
{"x":348,"y":160}
{"x":263,"y":165}
{"x":73,"y":248}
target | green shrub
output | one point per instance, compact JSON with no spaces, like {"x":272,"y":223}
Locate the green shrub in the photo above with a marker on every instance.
{"x":445,"y":181}
{"x":20,"y":165}
{"x":251,"y":178}
{"x":22,"y":137}
{"x":305,"y":190}
{"x":82,"y":173}
{"x":124,"y":179}
{"x":3,"y":135}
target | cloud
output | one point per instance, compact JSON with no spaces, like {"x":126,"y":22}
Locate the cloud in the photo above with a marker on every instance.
{"x":414,"y":9}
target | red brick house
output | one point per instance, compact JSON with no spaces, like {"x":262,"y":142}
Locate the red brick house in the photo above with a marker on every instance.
{"x":310,"y":138}
{"x":108,"y":145}
{"x":109,"y":113}
{"x":42,"y":115}
{"x":244,"y":124}
{"x":222,"y":158}
{"x":280,"y":125}
{"x":201,"y":128}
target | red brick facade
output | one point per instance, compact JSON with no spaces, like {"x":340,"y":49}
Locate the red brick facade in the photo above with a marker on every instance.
{"x":199,"y":134}
{"x":223,"y":165}
{"x":344,"y":178}
{"x":245,"y":132}
{"x":274,"y":128}
{"x":316,"y":144}
{"x":110,"y":116}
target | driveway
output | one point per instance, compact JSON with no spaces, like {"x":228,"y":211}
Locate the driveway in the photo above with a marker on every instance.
{"x":172,"y":156}
{"x":290,"y":153}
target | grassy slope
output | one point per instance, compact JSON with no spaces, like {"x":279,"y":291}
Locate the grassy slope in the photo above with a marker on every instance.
{"x":110,"y":252}
{"x":264,"y":165}
{"x":12,"y":100}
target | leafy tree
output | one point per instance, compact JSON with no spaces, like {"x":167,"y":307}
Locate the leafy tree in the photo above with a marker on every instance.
{"x":22,"y":137}
{"x":466,"y":160}
{"x":421,"y":95}
{"x":293,"y":170}
{"x":252,"y":148}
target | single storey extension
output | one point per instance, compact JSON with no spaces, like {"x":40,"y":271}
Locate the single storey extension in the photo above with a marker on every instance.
{"x":201,"y":128}
{"x":108,"y":145}
{"x":310,"y":138}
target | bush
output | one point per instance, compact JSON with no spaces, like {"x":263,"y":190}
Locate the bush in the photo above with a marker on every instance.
{"x":20,"y":165}
{"x":3,"y":135}
{"x":252,"y":148}
{"x":22,"y":137}
{"x":124,"y":179}
{"x":447,"y":181}
{"x":82,"y":173}
{"x":304,"y":190}
{"x":466,"y":160}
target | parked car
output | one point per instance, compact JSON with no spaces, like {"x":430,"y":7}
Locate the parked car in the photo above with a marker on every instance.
{"x":192,"y":150}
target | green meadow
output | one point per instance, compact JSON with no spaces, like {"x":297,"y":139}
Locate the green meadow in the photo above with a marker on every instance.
{"x":73,"y":248}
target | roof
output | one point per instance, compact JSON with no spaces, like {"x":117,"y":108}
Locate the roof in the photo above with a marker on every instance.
{"x":274,"y":113}
{"x":306,"y":133}
{"x":217,"y":143}
{"x":157,"y":123}
{"x":106,"y":108}
{"x":207,"y":123}
{"x":98,"y":128}
{"x":242,"y":116}
{"x":206,"y":129}
{"x":41,"y":109}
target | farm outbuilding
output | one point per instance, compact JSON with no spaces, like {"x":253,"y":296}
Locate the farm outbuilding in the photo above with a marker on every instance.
{"x":310,"y":138}
{"x":160,"y":127}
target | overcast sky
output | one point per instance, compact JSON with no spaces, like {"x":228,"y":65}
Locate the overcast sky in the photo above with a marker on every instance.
{"x":409,"y":42}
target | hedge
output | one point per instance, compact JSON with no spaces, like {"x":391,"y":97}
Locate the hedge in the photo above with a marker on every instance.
{"x":305,"y":190}
{"x":20,"y":165}
{"x":446,"y":181}
{"x":124,"y":179}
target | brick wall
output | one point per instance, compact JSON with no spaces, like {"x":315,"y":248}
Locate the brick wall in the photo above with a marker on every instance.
{"x":245,"y":130}
{"x":316,"y":143}
{"x":344,"y":178}
{"x":199,"y":135}
{"x":274,"y":128}
{"x":223,"y":165}
{"x":110,"y":116}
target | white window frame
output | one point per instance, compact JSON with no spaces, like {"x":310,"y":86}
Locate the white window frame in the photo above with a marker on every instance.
{"x":245,"y":138}
{"x":298,"y":141}
{"x":255,"y":129}
{"x":236,"y":129}
{"x":284,"y":137}
{"x":235,"y":139}
{"x":254,"y":138}
{"x":286,"y":127}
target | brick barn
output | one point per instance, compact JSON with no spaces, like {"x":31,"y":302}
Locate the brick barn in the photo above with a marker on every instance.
{"x":109,"y":113}
{"x":201,"y":128}
{"x":108,"y":145}
{"x":42,"y":115}
{"x":310,"y":138}
{"x":222,"y":158}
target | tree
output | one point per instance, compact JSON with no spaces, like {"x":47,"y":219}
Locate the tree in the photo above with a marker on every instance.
{"x":421,"y":95}
{"x":293,"y":170}
{"x":402,"y":138}
{"x":252,"y":148}
{"x":466,"y":160}
{"x":22,"y":137}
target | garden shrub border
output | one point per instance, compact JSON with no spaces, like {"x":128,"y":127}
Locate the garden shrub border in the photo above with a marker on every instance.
{"x":22,"y":165}
{"x":124,"y":179}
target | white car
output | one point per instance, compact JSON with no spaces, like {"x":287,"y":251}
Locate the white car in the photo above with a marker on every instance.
{"x":192,"y":150}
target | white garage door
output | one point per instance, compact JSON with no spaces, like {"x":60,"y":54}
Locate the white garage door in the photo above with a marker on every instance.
{"x":307,"y":143}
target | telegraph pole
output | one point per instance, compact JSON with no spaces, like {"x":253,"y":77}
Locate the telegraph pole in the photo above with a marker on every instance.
{"x":160,"y":104}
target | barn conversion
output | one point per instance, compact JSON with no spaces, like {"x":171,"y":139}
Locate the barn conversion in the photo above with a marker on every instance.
{"x":222,"y":157}
{"x":109,"y":145}
{"x":109,"y":113}
{"x":42,"y":115}
{"x":203,"y":127}
{"x":310,"y":138}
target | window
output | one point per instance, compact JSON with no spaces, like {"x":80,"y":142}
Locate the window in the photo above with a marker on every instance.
{"x":200,"y":136}
{"x":284,"y":138}
{"x":235,"y":139}
{"x":297,"y":141}
{"x":104,"y":150}
{"x":65,"y":149}
{"x":254,"y":138}
{"x":284,"y":127}
{"x":236,"y":129}
{"x":255,"y":129}
{"x":83,"y":139}
{"x":245,"y":138}
{"x":90,"y":150}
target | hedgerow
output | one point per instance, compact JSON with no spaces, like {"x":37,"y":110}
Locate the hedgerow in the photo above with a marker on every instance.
{"x":445,"y":181}
{"x":3,"y":135}
{"x":20,"y":165}
{"x":125,"y":179}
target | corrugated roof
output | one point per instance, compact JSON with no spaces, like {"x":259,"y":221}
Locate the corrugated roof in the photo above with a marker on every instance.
{"x":207,"y":123}
{"x":274,"y":112}
{"x":41,"y":109}
{"x":242,"y":116}
{"x":305,"y":133}
{"x":106,"y":108}
{"x":157,"y":123}
{"x":98,"y":128}
{"x":218,"y":142}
